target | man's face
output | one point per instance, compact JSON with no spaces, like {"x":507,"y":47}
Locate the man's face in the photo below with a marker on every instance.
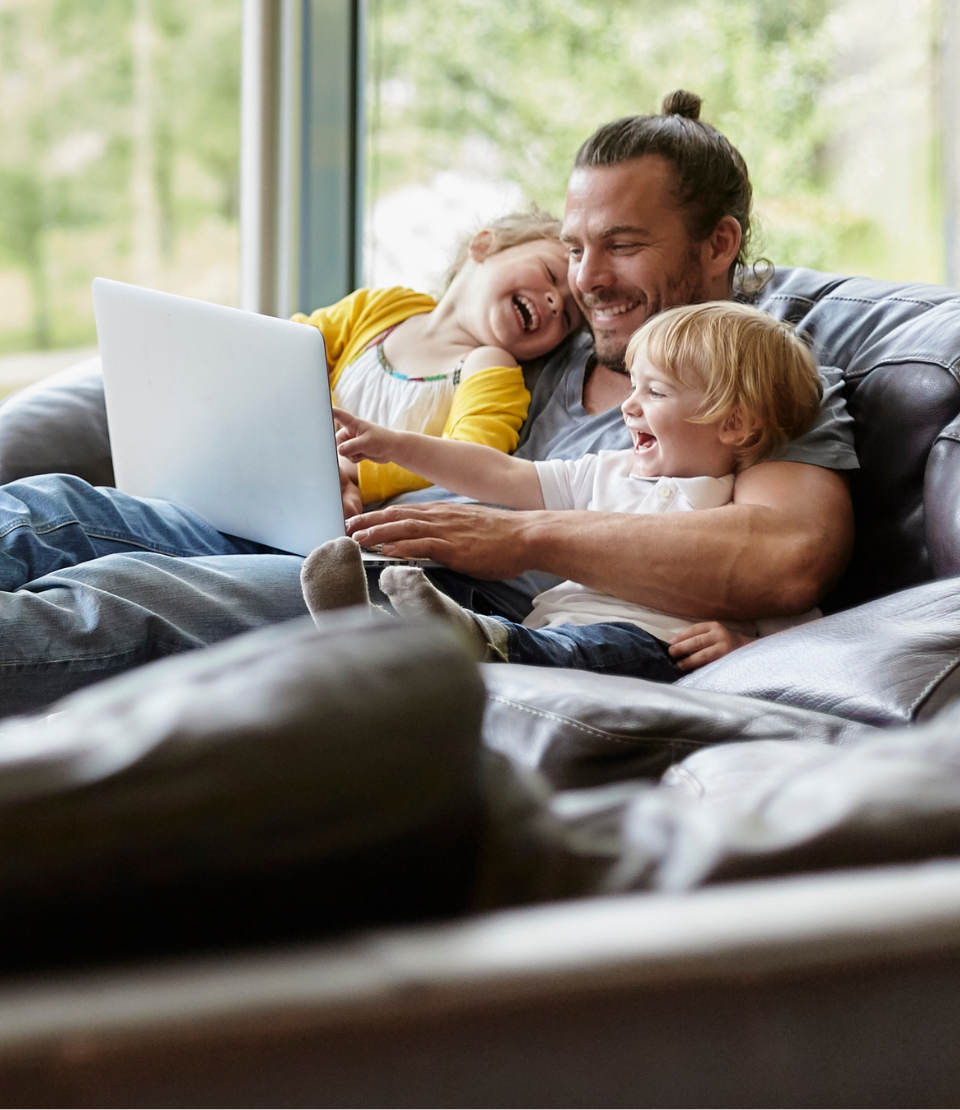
{"x":630,"y":255}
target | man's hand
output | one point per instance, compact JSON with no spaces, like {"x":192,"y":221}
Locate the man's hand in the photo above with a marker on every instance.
{"x":473,"y":539}
{"x":359,"y":439}
{"x":700,"y":644}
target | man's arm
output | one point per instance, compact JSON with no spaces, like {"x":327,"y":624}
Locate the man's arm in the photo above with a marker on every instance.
{"x":775,"y":550}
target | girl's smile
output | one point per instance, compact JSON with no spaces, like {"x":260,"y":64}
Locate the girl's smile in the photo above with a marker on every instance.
{"x":519,"y":299}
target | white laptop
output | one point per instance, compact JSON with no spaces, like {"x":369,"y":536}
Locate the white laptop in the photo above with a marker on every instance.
{"x":225,"y":412}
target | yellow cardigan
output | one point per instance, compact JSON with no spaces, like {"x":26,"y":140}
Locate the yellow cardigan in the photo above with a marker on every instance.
{"x":489,"y":407}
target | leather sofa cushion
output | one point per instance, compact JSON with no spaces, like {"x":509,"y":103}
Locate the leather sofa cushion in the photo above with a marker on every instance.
{"x":285,"y":782}
{"x":888,"y":662}
{"x":739,"y":811}
{"x":58,"y":425}
{"x":748,"y":810}
{"x":579,"y":729}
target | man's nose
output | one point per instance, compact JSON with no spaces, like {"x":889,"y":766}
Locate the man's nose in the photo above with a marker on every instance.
{"x":593,"y":271}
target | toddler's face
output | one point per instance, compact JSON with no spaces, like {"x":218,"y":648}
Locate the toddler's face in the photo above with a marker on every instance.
{"x":665,"y":442}
{"x":524,"y":300}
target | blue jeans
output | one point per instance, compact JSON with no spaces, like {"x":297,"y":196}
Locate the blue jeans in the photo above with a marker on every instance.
{"x":53,"y":521}
{"x":94,"y":582}
{"x":613,"y":647}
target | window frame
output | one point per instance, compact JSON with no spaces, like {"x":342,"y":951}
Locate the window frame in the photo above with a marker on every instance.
{"x":302,"y":129}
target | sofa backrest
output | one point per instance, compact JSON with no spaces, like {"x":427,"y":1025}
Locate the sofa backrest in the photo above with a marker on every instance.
{"x":898,"y":346}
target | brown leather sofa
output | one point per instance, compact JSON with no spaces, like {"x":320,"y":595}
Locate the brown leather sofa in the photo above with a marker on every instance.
{"x":582,"y":890}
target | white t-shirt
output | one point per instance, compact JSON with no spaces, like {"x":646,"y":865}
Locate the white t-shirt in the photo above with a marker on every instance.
{"x":603,"y":483}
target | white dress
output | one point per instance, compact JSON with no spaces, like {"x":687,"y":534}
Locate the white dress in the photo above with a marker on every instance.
{"x":371,"y":389}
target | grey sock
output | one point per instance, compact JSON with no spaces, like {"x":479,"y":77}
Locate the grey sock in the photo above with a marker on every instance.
{"x":332,"y":577}
{"x":412,"y":594}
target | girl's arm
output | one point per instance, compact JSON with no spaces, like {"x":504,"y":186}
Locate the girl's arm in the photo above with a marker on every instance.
{"x":467,"y":468}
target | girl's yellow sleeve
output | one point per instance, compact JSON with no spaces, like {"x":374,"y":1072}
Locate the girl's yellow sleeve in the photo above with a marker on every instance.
{"x":489,"y":408}
{"x":337,"y":323}
{"x":349,"y":325}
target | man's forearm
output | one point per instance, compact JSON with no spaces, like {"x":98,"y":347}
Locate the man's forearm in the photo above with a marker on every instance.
{"x":735,"y":567}
{"x":775,"y":551}
{"x":749,"y":559}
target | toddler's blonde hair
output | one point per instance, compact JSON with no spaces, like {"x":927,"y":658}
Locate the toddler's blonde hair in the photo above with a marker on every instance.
{"x":532,"y":224}
{"x":745,"y":361}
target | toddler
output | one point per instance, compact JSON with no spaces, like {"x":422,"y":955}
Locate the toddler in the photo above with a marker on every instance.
{"x":449,"y":367}
{"x":716,"y":387}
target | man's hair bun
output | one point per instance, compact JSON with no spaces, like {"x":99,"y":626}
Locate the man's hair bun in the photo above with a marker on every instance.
{"x":682,"y":103}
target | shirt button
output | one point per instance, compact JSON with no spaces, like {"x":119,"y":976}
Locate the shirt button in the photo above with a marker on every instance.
{"x":665,"y":492}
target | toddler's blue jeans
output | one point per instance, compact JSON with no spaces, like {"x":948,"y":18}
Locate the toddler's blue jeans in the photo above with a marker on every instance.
{"x":614,"y":647}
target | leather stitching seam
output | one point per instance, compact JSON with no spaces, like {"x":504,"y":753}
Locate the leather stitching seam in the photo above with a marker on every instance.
{"x":591,"y":728}
{"x":892,"y":360}
{"x":861,"y":300}
{"x":932,"y":685}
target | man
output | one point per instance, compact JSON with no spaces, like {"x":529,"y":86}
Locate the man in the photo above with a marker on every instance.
{"x":657,"y":214}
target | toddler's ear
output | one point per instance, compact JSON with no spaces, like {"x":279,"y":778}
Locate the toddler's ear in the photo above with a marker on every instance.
{"x":736,"y":430}
{"x":482,"y":245}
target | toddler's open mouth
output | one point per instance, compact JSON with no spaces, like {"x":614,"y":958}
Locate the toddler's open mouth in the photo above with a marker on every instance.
{"x":644,"y":442}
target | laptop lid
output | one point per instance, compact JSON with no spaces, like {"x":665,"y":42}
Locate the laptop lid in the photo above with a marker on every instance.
{"x":224,"y":412}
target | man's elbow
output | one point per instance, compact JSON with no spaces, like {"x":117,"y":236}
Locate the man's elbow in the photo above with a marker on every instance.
{"x":809,"y":570}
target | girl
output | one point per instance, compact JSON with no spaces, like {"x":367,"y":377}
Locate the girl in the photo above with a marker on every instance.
{"x":450,"y":367}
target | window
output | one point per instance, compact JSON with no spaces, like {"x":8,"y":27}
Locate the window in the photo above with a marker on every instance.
{"x":119,"y":155}
{"x":478,"y":107}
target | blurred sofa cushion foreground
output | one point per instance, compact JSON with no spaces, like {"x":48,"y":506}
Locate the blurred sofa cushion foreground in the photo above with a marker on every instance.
{"x":295,"y":782}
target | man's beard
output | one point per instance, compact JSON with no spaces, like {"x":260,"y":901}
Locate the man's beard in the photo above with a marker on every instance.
{"x":686,"y":287}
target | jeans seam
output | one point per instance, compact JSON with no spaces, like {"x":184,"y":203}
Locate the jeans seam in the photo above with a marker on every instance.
{"x":113,"y":537}
{"x":41,"y":530}
{"x":153,"y":548}
{"x":45,"y":662}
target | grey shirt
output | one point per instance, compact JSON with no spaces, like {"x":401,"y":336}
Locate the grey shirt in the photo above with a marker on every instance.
{"x":558,"y":426}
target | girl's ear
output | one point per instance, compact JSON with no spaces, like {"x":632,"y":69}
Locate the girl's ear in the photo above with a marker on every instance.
{"x":481,"y":245}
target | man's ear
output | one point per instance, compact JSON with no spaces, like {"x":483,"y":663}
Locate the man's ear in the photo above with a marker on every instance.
{"x":722,"y":246}
{"x":482,"y":244}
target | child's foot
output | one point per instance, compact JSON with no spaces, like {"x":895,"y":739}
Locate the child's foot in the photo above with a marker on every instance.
{"x":332,"y":577}
{"x":413,"y":595}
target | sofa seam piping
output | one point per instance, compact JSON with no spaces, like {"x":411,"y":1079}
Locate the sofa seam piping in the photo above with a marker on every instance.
{"x":591,"y":728}
{"x":932,"y":685}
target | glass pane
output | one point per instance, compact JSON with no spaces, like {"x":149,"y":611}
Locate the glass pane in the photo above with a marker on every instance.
{"x":119,"y":155}
{"x":476,"y":107}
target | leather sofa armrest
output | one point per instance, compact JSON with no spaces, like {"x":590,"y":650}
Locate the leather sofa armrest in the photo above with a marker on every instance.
{"x":287,"y":782}
{"x":58,"y":426}
{"x":890,"y":662}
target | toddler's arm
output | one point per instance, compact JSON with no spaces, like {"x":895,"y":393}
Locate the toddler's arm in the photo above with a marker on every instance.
{"x":700,"y":644}
{"x":467,"y":468}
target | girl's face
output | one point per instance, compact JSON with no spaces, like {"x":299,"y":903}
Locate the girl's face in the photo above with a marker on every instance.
{"x":519,"y":299}
{"x":666,"y":444}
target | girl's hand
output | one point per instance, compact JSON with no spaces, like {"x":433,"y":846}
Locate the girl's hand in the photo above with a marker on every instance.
{"x":700,"y":644}
{"x":359,"y":439}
